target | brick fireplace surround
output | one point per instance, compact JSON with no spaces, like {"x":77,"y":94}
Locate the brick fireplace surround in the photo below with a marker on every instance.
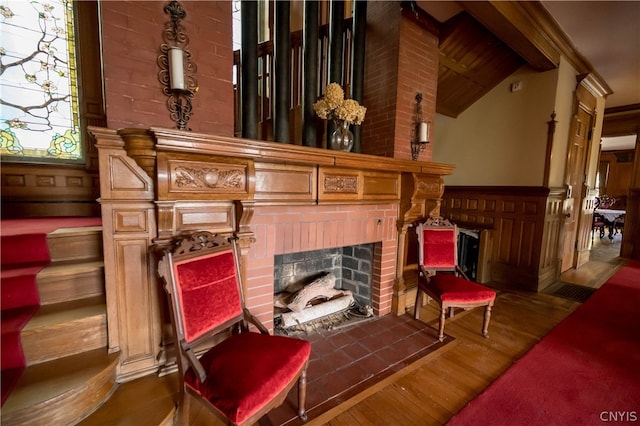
{"x":284,"y":230}
{"x":274,"y":198}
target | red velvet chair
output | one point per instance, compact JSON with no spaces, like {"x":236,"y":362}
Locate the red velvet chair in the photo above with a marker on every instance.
{"x":245,"y":374}
{"x":440,"y":277}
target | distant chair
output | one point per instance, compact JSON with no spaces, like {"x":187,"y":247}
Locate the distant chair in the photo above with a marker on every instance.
{"x":245,"y":374}
{"x":618,"y":225}
{"x":598,"y":226}
{"x":440,"y":277}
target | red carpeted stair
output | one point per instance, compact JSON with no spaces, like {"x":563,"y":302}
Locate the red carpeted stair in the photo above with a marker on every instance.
{"x":23,"y":253}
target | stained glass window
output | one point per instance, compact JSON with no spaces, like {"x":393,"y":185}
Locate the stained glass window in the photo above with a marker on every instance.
{"x":38,"y":90}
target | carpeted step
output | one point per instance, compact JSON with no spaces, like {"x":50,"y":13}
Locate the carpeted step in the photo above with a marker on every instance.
{"x":25,"y":250}
{"x":65,"y":329}
{"x":13,"y":321}
{"x":60,"y":282}
{"x":62,"y":391}
{"x":18,"y":286}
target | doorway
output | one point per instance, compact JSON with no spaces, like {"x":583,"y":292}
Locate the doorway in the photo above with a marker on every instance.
{"x":613,"y":180}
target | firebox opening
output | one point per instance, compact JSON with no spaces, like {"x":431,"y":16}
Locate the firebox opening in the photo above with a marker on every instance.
{"x":337,"y":287}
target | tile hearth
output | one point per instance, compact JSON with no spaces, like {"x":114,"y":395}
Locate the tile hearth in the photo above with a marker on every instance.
{"x":347,"y":360}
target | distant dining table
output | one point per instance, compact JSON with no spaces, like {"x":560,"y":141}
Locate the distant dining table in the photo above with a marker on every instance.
{"x":610,"y":216}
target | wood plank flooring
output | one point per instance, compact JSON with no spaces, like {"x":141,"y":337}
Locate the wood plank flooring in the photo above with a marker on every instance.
{"x":428,"y":392}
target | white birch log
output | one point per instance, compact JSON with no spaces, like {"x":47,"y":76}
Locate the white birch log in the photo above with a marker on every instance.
{"x":321,"y":287}
{"x":290,"y":319}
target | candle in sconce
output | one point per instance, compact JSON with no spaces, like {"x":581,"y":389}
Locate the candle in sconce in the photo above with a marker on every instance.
{"x":423,"y":132}
{"x":176,"y":68}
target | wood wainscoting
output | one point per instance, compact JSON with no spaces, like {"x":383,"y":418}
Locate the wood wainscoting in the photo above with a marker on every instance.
{"x":274,"y":198}
{"x":36,"y":190}
{"x":526,"y":224}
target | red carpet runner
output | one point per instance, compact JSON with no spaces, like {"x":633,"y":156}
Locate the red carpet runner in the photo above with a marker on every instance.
{"x":23,"y":253}
{"x":586,"y":371}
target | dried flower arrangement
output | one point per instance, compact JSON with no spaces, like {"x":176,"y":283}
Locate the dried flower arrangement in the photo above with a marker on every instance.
{"x":333,"y":106}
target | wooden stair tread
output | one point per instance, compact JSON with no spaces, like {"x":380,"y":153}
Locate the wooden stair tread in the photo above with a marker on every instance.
{"x":52,"y":315}
{"x":42,"y":382}
{"x":75,"y":244}
{"x":155,"y":408}
{"x":63,"y":281}
{"x":76,"y":231}
{"x":66,"y":269}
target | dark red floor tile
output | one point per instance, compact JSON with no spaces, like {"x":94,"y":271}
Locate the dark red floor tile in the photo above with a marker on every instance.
{"x":345,"y":361}
{"x":372,"y":343}
{"x":354,"y":374}
{"x":356,"y":351}
{"x":373,"y":363}
{"x":341,"y":339}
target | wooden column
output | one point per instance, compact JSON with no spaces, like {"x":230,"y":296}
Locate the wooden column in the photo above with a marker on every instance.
{"x":421,"y":195}
{"x":129,"y":228}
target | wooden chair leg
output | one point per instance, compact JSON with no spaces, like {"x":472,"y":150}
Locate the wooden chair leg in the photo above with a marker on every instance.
{"x":418,"y":304}
{"x":443,"y":315}
{"x":302,"y":395}
{"x":485,"y":323}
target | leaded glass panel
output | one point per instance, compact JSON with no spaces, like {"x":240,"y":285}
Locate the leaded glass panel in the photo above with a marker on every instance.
{"x":38,"y":90}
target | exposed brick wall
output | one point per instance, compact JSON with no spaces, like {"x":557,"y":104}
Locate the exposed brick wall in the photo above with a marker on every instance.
{"x":132,"y":35}
{"x":381,"y":73}
{"x":401,"y":60}
{"x":418,"y":57}
{"x":281,"y":230}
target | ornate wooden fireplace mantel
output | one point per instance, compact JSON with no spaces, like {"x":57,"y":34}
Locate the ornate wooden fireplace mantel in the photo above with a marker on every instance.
{"x":156,"y":183}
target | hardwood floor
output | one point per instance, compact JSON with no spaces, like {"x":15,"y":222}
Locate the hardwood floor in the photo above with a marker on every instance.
{"x":429,"y":391}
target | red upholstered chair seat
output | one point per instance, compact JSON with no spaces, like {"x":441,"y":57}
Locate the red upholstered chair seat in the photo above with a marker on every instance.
{"x":440,"y":277}
{"x":453,"y":289}
{"x":238,"y":386}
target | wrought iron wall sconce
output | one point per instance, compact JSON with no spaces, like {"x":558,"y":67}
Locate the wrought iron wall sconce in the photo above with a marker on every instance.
{"x":419,"y":130}
{"x":176,"y":68}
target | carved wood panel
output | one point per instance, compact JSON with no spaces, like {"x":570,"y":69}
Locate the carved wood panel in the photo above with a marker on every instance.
{"x":525,"y":223}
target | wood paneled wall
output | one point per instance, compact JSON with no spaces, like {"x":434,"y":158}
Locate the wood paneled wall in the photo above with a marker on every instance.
{"x":526,"y":223}
{"x":30,"y":190}
{"x":618,"y":179}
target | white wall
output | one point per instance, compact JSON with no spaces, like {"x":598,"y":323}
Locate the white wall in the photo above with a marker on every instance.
{"x":501,"y":139}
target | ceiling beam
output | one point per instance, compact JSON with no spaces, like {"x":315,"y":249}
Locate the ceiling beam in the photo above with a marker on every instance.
{"x":530,"y":30}
{"x":514,"y":25}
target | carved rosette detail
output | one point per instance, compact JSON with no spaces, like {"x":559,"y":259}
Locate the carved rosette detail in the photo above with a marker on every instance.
{"x":209,"y":177}
{"x":344,"y":184}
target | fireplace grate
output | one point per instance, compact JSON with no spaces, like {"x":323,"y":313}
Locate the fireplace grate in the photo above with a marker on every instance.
{"x":346,"y":317}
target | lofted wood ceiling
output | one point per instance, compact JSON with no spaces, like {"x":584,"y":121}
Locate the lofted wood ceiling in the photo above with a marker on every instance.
{"x":534,"y":35}
{"x":472,"y":62}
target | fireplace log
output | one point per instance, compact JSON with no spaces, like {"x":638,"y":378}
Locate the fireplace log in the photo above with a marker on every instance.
{"x":322,"y":287}
{"x":290,"y":319}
